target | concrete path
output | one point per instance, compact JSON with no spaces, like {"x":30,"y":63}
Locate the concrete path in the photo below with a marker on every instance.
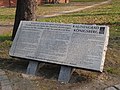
{"x":4,"y":81}
{"x":75,"y":10}
{"x":7,"y":26}
{"x":114,"y":87}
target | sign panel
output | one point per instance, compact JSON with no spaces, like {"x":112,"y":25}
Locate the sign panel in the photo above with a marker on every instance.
{"x":77,"y":45}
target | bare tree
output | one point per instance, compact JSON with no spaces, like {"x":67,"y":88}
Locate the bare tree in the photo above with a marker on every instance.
{"x":25,"y":10}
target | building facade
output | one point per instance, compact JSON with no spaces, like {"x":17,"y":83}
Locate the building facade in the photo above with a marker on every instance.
{"x":7,"y":3}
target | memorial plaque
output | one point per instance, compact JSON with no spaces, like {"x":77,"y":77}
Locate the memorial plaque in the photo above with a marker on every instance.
{"x":76,"y":45}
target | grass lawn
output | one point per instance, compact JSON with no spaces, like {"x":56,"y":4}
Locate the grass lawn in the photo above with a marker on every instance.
{"x":101,"y":15}
{"x":7,"y":15}
{"x":51,"y":9}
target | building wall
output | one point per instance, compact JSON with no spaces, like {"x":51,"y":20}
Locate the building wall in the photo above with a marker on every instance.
{"x":63,"y":1}
{"x":7,"y":3}
{"x":1,"y":2}
{"x":57,"y":1}
{"x":40,"y":2}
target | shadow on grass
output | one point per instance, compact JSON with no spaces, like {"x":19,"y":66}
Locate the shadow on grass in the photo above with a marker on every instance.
{"x":4,"y":17}
{"x":48,"y":71}
{"x":13,"y":64}
{"x":51,"y":71}
{"x":4,"y":38}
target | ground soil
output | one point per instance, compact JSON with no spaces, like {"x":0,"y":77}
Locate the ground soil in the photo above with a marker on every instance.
{"x":4,"y":30}
{"x":46,"y":78}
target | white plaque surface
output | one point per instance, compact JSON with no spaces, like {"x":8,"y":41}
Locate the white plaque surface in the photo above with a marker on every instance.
{"x":76,"y":45}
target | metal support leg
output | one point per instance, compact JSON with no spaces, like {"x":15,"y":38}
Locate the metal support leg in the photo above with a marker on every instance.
{"x":32,"y":67}
{"x":65,"y":74}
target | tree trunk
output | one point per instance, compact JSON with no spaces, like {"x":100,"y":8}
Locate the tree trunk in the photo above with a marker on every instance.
{"x":25,"y":10}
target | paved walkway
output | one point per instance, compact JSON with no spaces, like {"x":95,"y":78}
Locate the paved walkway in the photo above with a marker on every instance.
{"x":4,"y":81}
{"x":72,"y":11}
{"x":114,"y":87}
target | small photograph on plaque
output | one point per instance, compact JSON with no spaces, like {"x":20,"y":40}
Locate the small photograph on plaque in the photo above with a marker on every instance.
{"x":102,"y":30}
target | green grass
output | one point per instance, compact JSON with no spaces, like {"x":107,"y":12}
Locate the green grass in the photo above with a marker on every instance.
{"x":101,"y":15}
{"x":50,"y":9}
{"x":105,"y":14}
{"x":3,"y":38}
{"x":7,"y":11}
{"x":5,"y":44}
{"x":7,"y":15}
{"x":113,"y":70}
